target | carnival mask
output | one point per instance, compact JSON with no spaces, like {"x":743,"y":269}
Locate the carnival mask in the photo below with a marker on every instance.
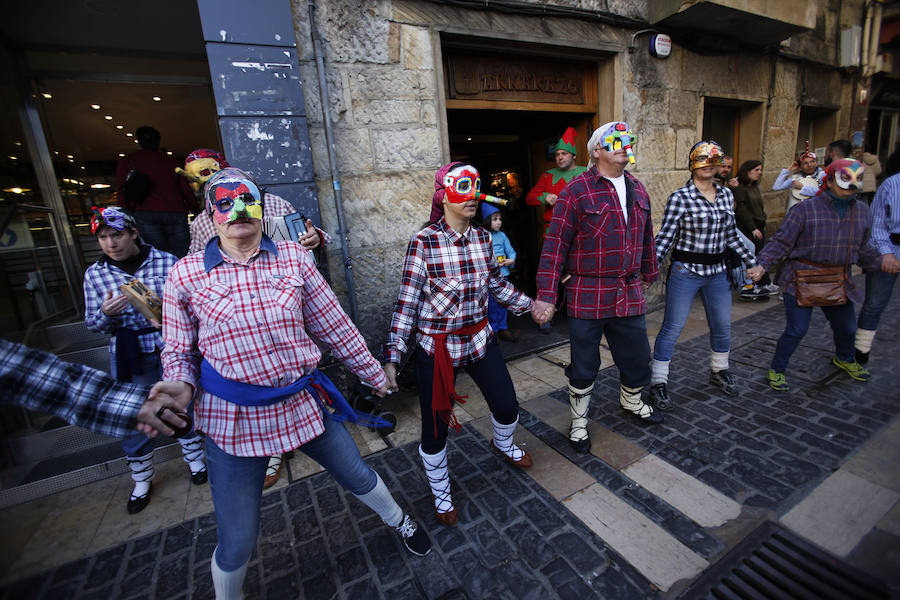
{"x":111,"y":216}
{"x":231,"y":194}
{"x":847,"y":173}
{"x":200,"y":165}
{"x":617,"y":137}
{"x":462,"y":184}
{"x":706,"y":154}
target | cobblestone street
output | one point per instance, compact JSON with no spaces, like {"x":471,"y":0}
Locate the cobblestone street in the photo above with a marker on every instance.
{"x":618,"y":523}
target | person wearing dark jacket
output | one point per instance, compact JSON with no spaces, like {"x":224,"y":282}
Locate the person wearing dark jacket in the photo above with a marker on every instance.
{"x":161,"y":215}
{"x":750,"y":216}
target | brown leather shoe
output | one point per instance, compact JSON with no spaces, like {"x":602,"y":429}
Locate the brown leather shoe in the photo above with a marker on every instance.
{"x":522,"y":463}
{"x":273,"y":478}
{"x":448,"y":518}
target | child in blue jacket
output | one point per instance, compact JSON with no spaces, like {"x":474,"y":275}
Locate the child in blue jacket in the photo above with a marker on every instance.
{"x":506,"y":258}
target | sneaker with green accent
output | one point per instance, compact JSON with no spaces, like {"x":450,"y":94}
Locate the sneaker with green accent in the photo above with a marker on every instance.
{"x":854,"y":369}
{"x":777,"y":381}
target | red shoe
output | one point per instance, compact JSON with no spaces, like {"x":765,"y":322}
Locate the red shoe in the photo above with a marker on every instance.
{"x":522,"y":463}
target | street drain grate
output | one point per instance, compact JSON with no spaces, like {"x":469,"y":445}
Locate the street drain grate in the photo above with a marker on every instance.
{"x":774,"y":563}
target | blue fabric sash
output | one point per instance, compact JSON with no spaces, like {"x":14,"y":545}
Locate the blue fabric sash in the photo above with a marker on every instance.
{"x":329,"y":398}
{"x":128,"y":352}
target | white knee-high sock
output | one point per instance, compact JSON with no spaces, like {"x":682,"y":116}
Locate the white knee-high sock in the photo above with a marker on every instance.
{"x":382,"y":502}
{"x":192,"y":451}
{"x":438,"y":478}
{"x":864,"y":338}
{"x":659,"y":371}
{"x":579,"y":402}
{"x":503,"y":439}
{"x":630,"y":399}
{"x":228,"y":584}
{"x":141,"y":472}
{"x":718,"y":361}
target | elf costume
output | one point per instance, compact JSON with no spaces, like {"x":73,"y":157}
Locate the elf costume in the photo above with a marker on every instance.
{"x":555,"y":180}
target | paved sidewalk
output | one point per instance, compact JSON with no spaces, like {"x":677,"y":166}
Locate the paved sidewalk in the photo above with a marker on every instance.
{"x":643,"y":515}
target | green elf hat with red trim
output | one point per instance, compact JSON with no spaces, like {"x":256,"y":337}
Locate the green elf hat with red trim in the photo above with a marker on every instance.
{"x":567,"y":141}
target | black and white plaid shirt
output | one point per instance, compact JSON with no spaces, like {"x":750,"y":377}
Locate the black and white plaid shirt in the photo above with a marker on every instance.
{"x":694,"y":224}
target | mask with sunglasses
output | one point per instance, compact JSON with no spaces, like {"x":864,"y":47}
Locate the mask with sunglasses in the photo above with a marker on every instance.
{"x":462,"y":184}
{"x":231,"y":194}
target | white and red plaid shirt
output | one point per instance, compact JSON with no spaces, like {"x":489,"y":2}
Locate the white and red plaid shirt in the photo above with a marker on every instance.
{"x":447,"y":277}
{"x":203,"y":230}
{"x":254,"y":322}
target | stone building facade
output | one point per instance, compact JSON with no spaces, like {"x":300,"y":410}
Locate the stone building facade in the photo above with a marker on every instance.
{"x":395,"y":122}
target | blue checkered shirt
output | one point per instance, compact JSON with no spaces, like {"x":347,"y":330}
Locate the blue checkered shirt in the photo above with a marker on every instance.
{"x":694,"y":224}
{"x":101,"y":277}
{"x":77,"y":394}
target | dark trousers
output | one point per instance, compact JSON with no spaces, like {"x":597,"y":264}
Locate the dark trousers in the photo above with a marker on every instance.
{"x":842,"y":319}
{"x":166,"y":231}
{"x":491,"y":377}
{"x":627,"y":339}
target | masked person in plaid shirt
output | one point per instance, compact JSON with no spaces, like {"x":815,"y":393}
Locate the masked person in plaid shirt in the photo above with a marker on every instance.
{"x":602,"y":237}
{"x":831,"y":228}
{"x":449,"y":272}
{"x":136,"y":342}
{"x":203,"y":163}
{"x":241,"y":319}
{"x":698,"y":222}
{"x":199,"y":166}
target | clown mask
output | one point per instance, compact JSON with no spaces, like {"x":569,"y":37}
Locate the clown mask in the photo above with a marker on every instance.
{"x":846,"y":173}
{"x":462,"y":184}
{"x":617,"y":137}
{"x":232,"y":195}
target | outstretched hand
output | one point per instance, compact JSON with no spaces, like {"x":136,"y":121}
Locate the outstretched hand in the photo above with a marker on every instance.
{"x":390,"y":372}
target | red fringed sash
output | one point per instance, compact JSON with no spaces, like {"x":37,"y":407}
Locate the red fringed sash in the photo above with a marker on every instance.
{"x":443,"y":392}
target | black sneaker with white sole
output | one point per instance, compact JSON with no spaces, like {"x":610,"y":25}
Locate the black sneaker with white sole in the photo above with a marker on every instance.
{"x":414,"y":537}
{"x":724,"y":381}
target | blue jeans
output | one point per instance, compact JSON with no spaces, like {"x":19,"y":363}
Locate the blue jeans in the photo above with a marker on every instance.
{"x":681,"y":288}
{"x":236,"y":484}
{"x":164,"y":230}
{"x":879,"y":286}
{"x":490,"y":375}
{"x":843,"y":325}
{"x":627,"y":339}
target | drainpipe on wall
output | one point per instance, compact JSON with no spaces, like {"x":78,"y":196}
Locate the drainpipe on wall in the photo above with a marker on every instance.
{"x":332,"y":158}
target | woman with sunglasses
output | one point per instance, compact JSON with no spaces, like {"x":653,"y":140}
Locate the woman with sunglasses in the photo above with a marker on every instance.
{"x":449,"y":272}
{"x":698,"y":225}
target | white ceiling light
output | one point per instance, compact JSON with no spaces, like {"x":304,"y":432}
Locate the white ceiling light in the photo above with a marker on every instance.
{"x":157,"y":99}
{"x":95,"y":106}
{"x":108,"y":117}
